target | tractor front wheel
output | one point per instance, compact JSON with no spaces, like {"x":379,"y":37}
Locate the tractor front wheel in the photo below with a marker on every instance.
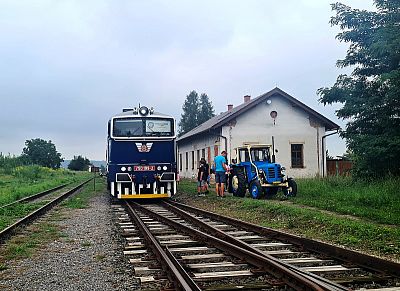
{"x":291,"y":190}
{"x":255,"y":189}
{"x":238,"y":182}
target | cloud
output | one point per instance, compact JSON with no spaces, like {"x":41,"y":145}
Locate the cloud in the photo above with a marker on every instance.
{"x":67,"y":66}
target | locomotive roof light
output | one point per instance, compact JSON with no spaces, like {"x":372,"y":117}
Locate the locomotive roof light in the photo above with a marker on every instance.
{"x":151,"y":110}
{"x":143,"y":110}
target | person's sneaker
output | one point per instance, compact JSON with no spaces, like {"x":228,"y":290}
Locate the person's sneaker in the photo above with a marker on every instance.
{"x":202,"y":194}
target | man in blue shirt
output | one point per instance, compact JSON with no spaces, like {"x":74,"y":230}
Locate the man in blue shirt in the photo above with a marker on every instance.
{"x":220,"y":178}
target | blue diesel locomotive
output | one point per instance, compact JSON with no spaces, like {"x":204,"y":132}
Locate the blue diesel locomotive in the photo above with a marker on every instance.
{"x":141,"y":154}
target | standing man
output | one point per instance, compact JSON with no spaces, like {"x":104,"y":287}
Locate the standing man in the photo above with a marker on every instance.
{"x":200,"y":179}
{"x":206,"y":175}
{"x":220,"y":178}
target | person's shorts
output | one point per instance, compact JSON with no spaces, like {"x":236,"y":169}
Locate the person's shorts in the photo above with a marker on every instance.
{"x":220,"y":177}
{"x":200,"y":183}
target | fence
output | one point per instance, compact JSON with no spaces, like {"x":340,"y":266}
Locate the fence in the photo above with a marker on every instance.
{"x":338,"y":167}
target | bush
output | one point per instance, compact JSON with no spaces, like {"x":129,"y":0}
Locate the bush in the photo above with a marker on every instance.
{"x":31,"y":173}
{"x":9,"y":163}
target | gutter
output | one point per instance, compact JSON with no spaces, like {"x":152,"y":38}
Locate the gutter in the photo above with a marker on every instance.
{"x":323,"y":149}
{"x":225,"y":139}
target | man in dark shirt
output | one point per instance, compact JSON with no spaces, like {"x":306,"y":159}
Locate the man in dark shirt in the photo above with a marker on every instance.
{"x":206,"y":174}
{"x":200,"y":179}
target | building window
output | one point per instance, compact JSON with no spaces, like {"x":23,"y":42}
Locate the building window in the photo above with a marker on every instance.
{"x":187,"y":160}
{"x":203,"y":154}
{"x":198,"y":158}
{"x":297,"y":155}
{"x":192,"y":160}
{"x":180,"y":162}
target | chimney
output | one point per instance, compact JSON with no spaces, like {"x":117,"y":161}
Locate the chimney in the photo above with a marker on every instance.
{"x":230,"y":107}
{"x":246,"y":98}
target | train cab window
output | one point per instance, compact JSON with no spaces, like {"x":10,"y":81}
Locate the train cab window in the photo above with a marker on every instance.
{"x":158,"y":127}
{"x":127,"y":127}
{"x":136,"y":127}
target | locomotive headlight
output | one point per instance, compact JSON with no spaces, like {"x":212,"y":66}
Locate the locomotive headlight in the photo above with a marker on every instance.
{"x":143,"y":110}
{"x":283,"y":171}
{"x":129,"y":168}
{"x":164,"y":168}
{"x":123,"y":169}
{"x":159,"y":168}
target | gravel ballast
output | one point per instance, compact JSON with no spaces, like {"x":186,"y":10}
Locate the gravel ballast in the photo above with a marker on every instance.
{"x":87,"y":257}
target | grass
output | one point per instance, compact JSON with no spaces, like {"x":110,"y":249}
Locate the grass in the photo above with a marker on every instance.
{"x":37,"y":235}
{"x":81,"y":200}
{"x":376,"y":201}
{"x":365,"y":233}
{"x":23,"y":246}
{"x":16,"y":187}
{"x":24,"y":181}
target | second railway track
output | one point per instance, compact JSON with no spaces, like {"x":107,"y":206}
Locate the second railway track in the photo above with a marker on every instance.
{"x":219,"y":253}
{"x":7,"y":232}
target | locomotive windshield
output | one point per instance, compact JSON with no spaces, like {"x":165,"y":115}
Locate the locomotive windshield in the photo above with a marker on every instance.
{"x":142,"y":127}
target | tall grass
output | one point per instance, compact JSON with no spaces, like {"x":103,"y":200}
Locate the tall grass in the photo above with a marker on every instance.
{"x":9,"y":163}
{"x":375,"y":200}
{"x":21,"y":181}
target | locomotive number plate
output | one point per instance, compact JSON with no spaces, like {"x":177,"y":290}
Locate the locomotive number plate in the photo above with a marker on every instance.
{"x":144,"y":168}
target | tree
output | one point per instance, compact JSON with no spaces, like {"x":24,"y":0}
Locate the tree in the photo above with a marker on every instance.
{"x":79,"y":163}
{"x":42,"y":153}
{"x":190,"y":113}
{"x":371,"y":93}
{"x":206,"y":110}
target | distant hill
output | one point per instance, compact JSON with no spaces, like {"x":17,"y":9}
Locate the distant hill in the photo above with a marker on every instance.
{"x":95,"y":163}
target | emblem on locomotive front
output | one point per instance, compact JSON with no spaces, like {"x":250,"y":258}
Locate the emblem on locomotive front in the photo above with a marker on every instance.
{"x":144,"y":147}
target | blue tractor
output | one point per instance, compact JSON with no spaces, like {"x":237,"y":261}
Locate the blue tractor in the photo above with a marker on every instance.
{"x":255,"y":170}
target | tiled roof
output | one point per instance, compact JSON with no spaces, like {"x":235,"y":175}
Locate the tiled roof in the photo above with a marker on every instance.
{"x":226,"y":116}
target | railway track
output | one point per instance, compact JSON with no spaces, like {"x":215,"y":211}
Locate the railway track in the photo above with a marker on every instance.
{"x":34,"y":196}
{"x":7,"y":232}
{"x":214,"y":252}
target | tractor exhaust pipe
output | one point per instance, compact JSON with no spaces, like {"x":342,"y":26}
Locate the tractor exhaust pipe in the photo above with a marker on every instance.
{"x":273,"y":149}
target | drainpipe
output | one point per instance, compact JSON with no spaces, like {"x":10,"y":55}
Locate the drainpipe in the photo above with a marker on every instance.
{"x":225,"y":139}
{"x":324,"y":152}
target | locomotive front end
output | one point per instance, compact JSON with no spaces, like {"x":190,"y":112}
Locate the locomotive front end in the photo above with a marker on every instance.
{"x":141,"y":155}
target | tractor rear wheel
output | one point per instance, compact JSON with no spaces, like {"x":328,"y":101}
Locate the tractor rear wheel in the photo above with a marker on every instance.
{"x":238,"y":182}
{"x":255,"y":189}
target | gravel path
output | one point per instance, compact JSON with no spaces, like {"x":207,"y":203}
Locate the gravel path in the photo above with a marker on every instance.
{"x":89,"y":257}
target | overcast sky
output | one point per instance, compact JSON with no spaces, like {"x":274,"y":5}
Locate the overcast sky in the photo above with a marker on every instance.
{"x":67,"y":66}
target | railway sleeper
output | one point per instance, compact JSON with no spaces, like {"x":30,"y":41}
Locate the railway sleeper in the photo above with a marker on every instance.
{"x":206,"y":258}
{"x":333,"y":271}
{"x":193,"y":250}
{"x":217,"y":267}
{"x":211,"y":276}
{"x":308,"y":262}
{"x":146,"y":271}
